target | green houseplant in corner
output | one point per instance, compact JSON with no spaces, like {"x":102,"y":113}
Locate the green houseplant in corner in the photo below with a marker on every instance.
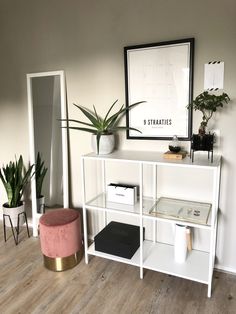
{"x":40,"y":172}
{"x":102,"y":129}
{"x":15,"y":178}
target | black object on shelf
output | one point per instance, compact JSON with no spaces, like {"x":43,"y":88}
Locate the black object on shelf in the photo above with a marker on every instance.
{"x":174,"y":145}
{"x":202,"y":142}
{"x":118,"y":239}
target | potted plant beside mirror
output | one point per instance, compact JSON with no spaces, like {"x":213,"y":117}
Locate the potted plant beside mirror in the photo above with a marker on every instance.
{"x":15,"y":178}
{"x":102,"y":129}
{"x":40,"y":172}
{"x":208,"y":104}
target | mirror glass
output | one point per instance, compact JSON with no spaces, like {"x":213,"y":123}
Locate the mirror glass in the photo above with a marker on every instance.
{"x":46,"y":95}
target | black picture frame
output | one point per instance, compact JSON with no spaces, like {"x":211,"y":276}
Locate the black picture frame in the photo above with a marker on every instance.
{"x":160,"y":117}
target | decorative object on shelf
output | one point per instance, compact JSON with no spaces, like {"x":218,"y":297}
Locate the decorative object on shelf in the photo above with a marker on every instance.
{"x":40,"y":172}
{"x":15,"y":178}
{"x":208,"y":104}
{"x":189,"y":238}
{"x":103,"y":127}
{"x":118,"y":239}
{"x":175,"y":156}
{"x":122,"y":193}
{"x":174,"y":145}
{"x":161,"y":73}
{"x":183,"y":210}
{"x":180,"y":246}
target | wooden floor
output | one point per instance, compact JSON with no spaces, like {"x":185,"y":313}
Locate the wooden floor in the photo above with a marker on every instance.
{"x":102,"y":286}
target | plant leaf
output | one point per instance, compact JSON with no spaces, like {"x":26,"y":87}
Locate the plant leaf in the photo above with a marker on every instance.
{"x":84,"y":129}
{"x":90,"y":116}
{"x":77,"y":121}
{"x":110,"y":110}
{"x":117,"y":128}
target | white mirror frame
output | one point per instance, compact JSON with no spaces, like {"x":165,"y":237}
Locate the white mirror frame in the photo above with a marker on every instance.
{"x":35,"y":215}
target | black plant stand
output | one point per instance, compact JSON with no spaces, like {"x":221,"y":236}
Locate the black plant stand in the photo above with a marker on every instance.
{"x":202,"y":143}
{"x":17,"y":229}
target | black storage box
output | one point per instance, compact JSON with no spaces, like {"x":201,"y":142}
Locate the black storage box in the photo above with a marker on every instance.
{"x":118,"y":239}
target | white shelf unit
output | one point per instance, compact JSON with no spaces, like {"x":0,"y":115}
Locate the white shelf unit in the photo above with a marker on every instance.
{"x":151,"y":254}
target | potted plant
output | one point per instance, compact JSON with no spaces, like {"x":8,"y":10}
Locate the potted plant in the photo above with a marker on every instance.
{"x":40,"y":172}
{"x":208,"y":104}
{"x":15,"y":178}
{"x":102,"y":129}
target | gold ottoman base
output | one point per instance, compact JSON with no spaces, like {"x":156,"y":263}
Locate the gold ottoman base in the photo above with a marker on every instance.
{"x":62,"y":263}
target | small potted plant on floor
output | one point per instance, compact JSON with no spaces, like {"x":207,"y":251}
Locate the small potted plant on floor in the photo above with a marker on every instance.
{"x":208,"y":104}
{"x":102,"y":129}
{"x":15,"y":178}
{"x":40,"y":172}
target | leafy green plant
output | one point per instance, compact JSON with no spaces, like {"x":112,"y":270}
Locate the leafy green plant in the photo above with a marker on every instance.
{"x":15,"y":178}
{"x":40,"y":172}
{"x":208,"y":104}
{"x":103,"y":126}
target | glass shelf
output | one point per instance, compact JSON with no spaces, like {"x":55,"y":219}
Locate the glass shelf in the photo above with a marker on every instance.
{"x":100,"y":202}
{"x":163,"y":209}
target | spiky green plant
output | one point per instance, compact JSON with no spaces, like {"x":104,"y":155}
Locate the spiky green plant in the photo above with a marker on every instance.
{"x":102,"y":126}
{"x":40,"y":172}
{"x":208,"y":104}
{"x":15,"y":178}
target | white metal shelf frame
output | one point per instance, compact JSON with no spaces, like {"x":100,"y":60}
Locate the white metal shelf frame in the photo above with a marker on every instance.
{"x":188,"y":270}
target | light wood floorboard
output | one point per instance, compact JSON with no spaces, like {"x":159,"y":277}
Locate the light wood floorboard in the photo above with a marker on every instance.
{"x":102,"y":286}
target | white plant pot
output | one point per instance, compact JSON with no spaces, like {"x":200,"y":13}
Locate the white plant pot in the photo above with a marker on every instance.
{"x":41,"y":205}
{"x":106,"y":144}
{"x":13,"y":213}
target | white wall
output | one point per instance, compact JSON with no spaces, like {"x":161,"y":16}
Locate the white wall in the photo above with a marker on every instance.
{"x":86,"y":39}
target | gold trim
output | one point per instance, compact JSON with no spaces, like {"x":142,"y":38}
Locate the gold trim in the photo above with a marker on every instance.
{"x":62,"y":263}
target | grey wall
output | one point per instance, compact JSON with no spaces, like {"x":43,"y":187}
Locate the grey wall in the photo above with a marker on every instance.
{"x":86,"y":39}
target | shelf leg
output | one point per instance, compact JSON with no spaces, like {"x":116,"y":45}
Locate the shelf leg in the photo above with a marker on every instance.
{"x":84,"y":213}
{"x":209,"y":290}
{"x":104,"y":190}
{"x":154,"y":225}
{"x":141,"y":272}
{"x":141,"y":218}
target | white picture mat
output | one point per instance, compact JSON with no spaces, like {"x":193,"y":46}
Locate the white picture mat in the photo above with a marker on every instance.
{"x":159,"y":76}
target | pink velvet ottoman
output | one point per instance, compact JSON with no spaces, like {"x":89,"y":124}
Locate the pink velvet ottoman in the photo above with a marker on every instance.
{"x":60,"y":239}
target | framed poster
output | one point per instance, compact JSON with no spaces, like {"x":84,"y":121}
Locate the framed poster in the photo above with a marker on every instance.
{"x":160,"y":74}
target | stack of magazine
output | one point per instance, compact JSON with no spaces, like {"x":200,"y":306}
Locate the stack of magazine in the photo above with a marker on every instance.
{"x":181,"y":210}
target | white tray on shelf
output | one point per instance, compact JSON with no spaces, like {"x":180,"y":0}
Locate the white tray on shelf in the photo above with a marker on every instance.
{"x":183,"y":210}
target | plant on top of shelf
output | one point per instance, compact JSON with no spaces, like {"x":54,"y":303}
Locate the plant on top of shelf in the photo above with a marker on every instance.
{"x":208,"y":104}
{"x":103,"y":128}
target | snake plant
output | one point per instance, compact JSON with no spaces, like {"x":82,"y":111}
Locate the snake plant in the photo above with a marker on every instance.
{"x":15,"y":178}
{"x":102,"y":126}
{"x":40,"y":172}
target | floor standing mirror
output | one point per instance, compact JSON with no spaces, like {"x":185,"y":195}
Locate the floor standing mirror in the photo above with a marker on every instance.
{"x":46,"y":105}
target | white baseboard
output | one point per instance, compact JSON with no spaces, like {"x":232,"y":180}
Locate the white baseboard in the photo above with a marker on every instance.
{"x":225,"y":269}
